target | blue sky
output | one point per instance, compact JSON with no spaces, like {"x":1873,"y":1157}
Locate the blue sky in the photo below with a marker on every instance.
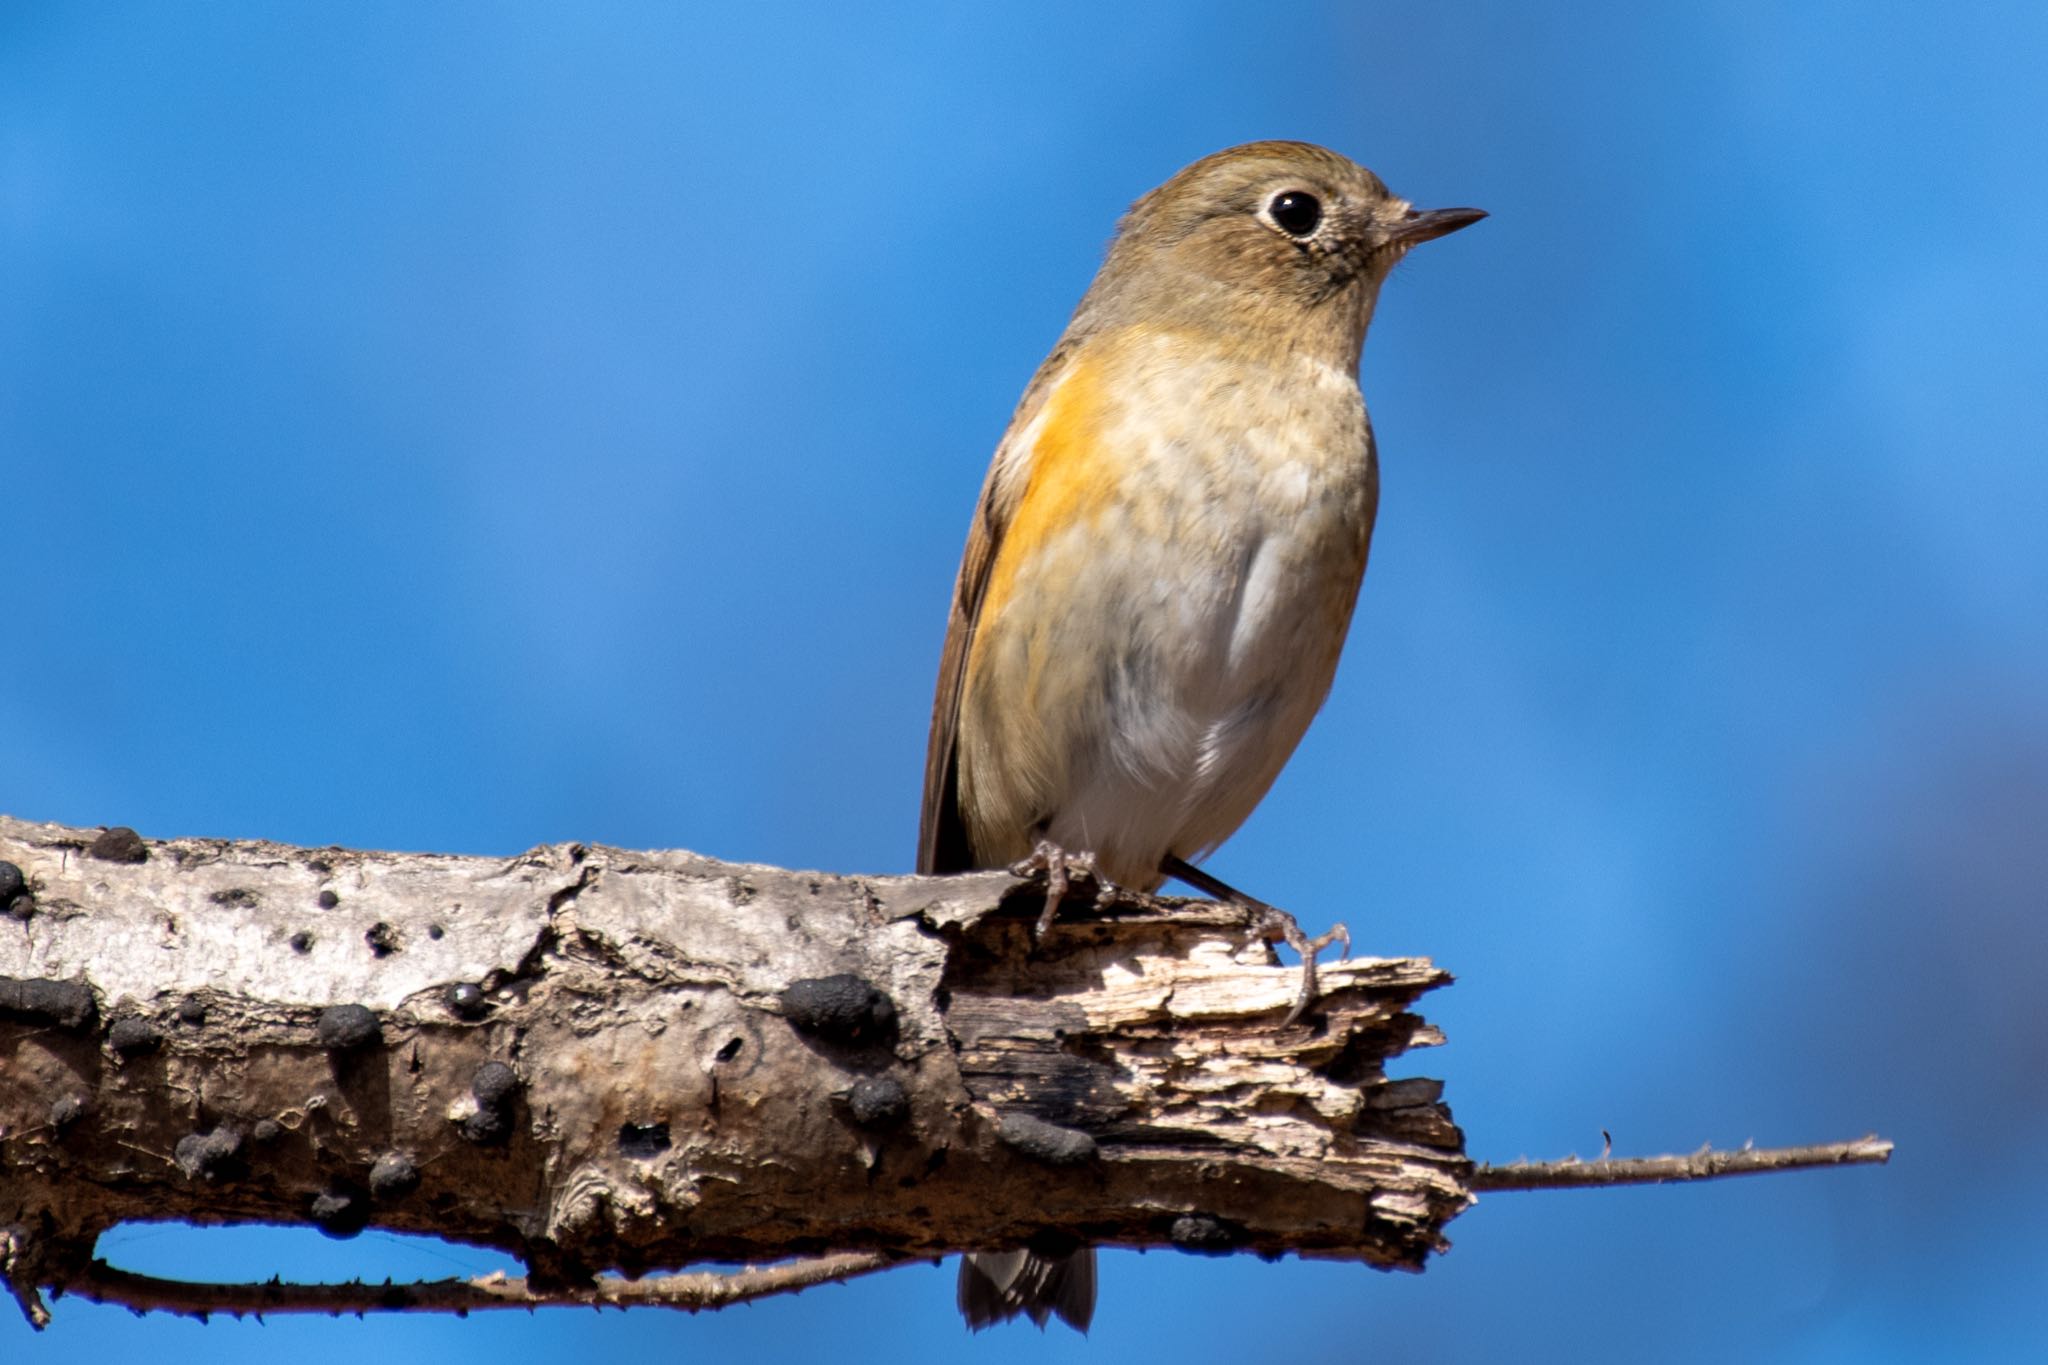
{"x":461,"y":427}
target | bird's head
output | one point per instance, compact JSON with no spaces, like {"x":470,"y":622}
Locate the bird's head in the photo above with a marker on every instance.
{"x":1285,"y":241}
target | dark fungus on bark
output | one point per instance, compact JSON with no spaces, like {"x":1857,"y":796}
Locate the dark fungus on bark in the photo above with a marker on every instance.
{"x":211,"y":1156}
{"x":843,"y":1008}
{"x":119,"y":844}
{"x":878,"y":1102}
{"x":15,"y":898}
{"x":382,"y":938}
{"x":327,"y":900}
{"x":302,"y":942}
{"x":133,"y":1037}
{"x":1206,"y":1235}
{"x":68,"y":1110}
{"x":192,"y":1010}
{"x":496,"y":1087}
{"x":488,"y":1127}
{"x":465,"y":1000}
{"x":341,"y":1210}
{"x":1047,"y":1142}
{"x":346,"y":1028}
{"x":394,"y":1176}
{"x":67,"y":1005}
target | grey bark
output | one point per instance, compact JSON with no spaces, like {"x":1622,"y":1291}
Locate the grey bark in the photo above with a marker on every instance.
{"x":600,"y":1059}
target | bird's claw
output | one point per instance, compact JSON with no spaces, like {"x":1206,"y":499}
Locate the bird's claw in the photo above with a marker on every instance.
{"x":1270,"y":923}
{"x":1058,"y":867}
{"x":1267,"y":924}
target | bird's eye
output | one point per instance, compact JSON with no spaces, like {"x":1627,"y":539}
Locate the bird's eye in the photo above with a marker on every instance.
{"x":1296,"y":213}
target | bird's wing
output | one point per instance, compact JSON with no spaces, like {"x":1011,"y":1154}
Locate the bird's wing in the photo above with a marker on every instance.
{"x":942,"y":844}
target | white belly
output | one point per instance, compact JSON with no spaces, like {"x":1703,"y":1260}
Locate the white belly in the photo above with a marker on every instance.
{"x":1222,"y":669}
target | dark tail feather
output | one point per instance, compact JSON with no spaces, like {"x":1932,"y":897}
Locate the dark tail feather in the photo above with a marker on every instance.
{"x":996,"y":1286}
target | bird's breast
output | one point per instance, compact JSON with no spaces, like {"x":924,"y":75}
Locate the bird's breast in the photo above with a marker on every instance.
{"x":1167,"y":607}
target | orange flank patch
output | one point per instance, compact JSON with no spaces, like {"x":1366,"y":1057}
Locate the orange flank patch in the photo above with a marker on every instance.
{"x":1067,"y":482}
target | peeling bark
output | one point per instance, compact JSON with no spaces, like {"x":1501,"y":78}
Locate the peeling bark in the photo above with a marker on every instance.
{"x":599,"y":1059}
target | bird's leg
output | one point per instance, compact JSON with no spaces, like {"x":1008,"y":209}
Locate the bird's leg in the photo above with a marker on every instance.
{"x":1057,"y":866}
{"x":1268,"y":923}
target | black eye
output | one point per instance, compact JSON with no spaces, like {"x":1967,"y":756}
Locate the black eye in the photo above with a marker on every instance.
{"x":1295,"y":212}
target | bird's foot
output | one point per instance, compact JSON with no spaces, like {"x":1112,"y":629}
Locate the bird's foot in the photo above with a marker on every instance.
{"x":1058,"y":867}
{"x":1274,"y":925}
{"x":1270,"y":924}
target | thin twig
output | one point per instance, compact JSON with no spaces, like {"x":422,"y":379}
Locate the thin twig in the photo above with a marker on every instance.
{"x":1705,"y":1164}
{"x":103,"y":1283}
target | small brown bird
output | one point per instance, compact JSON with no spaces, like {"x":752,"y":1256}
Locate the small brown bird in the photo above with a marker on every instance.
{"x":1161,"y":570}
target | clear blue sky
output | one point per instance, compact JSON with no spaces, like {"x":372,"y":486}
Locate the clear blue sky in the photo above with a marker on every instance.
{"x":466,"y":426}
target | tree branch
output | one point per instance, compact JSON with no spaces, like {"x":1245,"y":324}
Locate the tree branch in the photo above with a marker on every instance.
{"x":600,"y":1060}
{"x":1705,"y":1164}
{"x":595,"y":1059}
{"x":103,"y":1283}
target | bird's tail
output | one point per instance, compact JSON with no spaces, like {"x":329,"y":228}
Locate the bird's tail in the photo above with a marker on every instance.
{"x":996,"y":1286}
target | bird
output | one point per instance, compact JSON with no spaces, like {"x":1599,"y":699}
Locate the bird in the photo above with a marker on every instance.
{"x":1161,"y":568}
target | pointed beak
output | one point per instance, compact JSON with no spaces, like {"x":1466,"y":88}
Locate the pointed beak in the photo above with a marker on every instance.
{"x":1423,"y":225}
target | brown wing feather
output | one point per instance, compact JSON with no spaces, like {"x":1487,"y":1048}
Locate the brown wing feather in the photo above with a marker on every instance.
{"x":942,"y":840}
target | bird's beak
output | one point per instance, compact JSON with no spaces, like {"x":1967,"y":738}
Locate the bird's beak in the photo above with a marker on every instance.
{"x":1423,"y":225}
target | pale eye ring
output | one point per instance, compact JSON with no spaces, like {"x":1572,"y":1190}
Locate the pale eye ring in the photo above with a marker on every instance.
{"x":1296,"y":213}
